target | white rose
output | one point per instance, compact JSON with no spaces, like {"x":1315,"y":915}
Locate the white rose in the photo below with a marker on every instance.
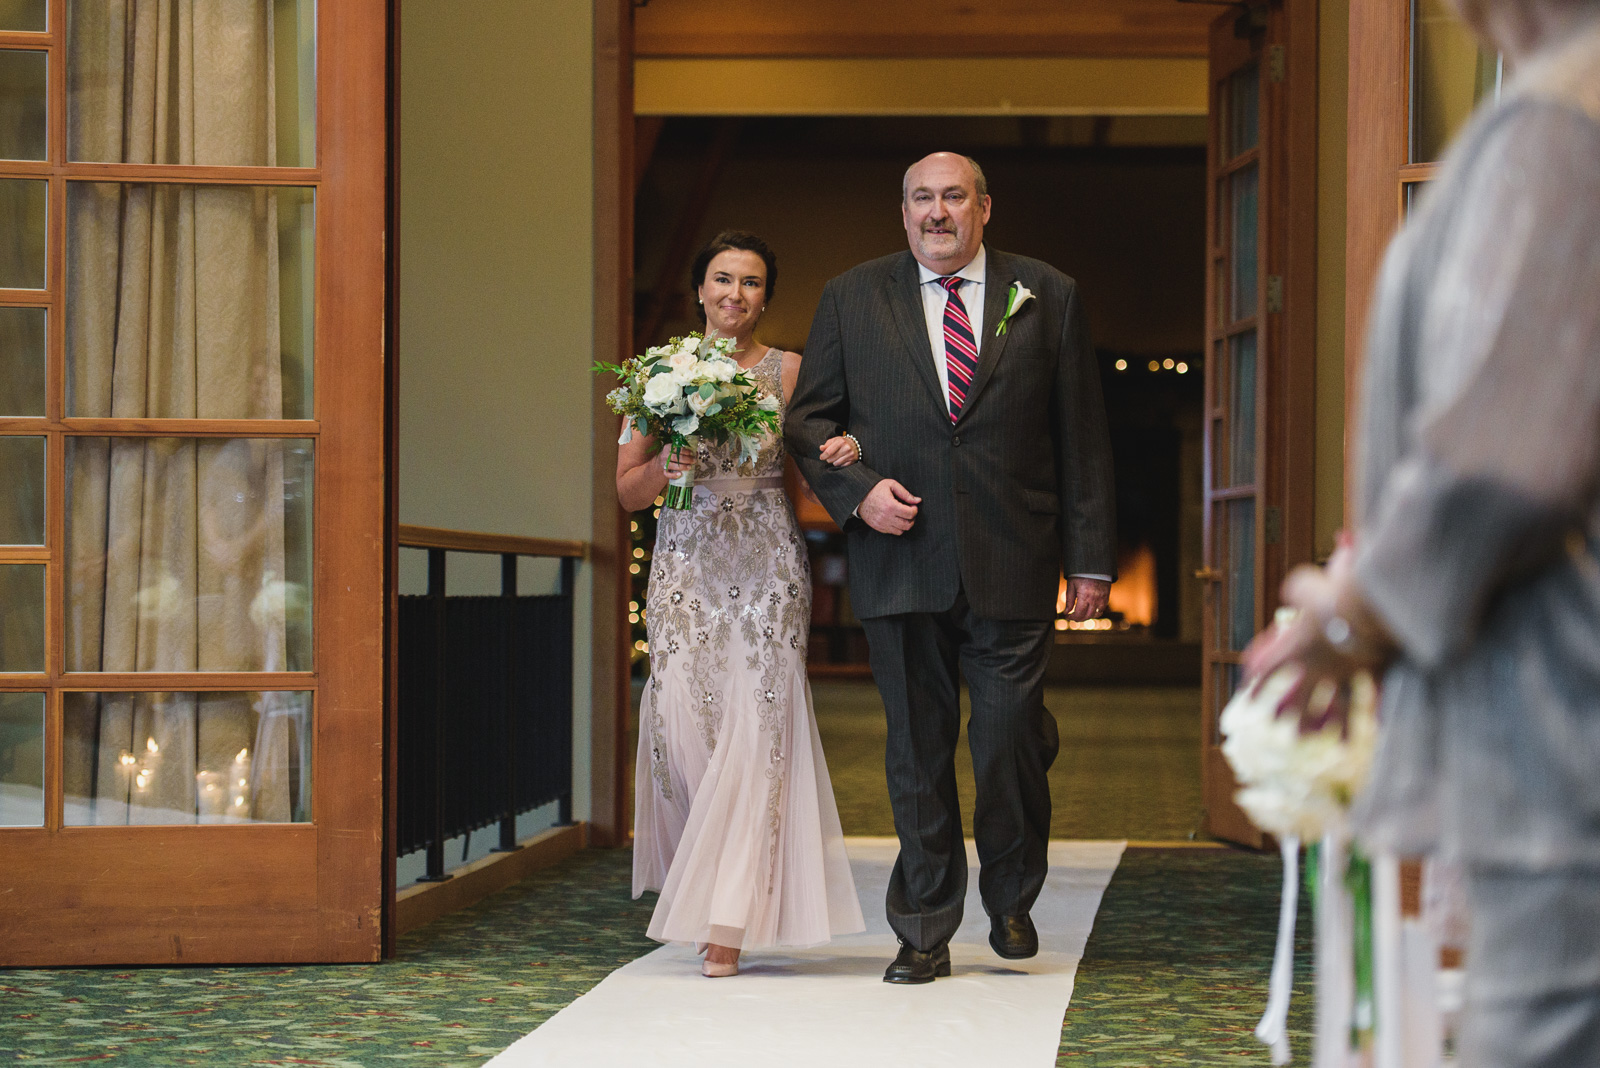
{"x":664,"y":394}
{"x":682,"y":362}
{"x":699,"y":405}
{"x":720,"y":369}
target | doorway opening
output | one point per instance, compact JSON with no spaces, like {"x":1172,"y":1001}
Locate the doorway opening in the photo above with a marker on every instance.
{"x":1116,"y":202}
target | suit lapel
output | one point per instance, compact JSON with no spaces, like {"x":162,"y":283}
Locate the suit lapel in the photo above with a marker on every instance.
{"x":905,"y":301}
{"x":996,"y":288}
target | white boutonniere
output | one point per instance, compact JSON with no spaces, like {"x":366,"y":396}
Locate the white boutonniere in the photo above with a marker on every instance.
{"x":1019,"y":295}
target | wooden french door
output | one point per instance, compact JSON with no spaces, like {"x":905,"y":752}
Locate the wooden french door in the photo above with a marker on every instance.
{"x":1260,"y":366}
{"x":191,"y":481}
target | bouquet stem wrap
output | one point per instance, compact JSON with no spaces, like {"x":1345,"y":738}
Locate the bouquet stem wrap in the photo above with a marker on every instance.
{"x":680,"y":490}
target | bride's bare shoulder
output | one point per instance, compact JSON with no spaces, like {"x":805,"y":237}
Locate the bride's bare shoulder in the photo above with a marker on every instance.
{"x":789,"y":370}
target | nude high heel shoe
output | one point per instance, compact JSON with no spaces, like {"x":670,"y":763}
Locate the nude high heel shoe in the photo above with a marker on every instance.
{"x":717,"y":969}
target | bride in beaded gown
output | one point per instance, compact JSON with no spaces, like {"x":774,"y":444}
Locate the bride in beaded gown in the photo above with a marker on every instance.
{"x":735,"y":821}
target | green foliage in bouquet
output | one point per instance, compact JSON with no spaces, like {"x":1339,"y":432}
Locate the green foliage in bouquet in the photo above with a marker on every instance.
{"x":691,"y":388}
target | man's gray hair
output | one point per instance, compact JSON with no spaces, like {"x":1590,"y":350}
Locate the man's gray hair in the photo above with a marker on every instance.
{"x":978,"y":180}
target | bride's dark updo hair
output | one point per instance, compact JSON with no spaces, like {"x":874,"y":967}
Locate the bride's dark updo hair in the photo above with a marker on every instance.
{"x":727,"y":241}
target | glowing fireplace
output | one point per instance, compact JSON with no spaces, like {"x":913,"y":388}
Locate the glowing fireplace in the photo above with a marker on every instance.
{"x":1133,"y":595}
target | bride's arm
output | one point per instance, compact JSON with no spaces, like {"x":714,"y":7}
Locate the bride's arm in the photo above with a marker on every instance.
{"x":641,"y":475}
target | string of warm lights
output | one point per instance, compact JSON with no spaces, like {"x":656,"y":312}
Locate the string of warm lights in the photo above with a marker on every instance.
{"x":1157,"y":366}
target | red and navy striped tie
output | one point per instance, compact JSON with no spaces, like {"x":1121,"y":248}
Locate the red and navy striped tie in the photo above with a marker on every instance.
{"x":960,"y":347}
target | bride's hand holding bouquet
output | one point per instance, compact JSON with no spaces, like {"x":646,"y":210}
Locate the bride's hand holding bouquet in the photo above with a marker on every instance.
{"x":689,"y":388}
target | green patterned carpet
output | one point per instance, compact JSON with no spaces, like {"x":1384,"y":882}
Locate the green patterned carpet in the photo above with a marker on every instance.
{"x":1175,"y":971}
{"x":1129,"y":765}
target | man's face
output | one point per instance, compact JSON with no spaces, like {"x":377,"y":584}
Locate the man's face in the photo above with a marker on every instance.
{"x":943,"y":213}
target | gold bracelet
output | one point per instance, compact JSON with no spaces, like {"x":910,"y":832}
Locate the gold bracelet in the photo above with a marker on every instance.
{"x":854,"y":442}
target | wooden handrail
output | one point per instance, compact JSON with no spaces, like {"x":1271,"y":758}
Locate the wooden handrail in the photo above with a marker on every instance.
{"x":467,"y":541}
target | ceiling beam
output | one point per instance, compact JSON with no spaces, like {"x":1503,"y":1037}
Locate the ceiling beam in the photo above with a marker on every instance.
{"x":966,"y":86}
{"x":923,"y":28}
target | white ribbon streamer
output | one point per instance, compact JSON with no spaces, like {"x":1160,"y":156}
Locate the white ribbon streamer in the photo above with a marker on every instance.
{"x":1273,"y":1030}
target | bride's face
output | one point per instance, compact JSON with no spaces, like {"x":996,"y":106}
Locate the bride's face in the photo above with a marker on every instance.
{"x":734,"y":292}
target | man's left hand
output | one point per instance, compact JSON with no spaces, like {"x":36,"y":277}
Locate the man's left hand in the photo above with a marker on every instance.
{"x":1086,"y":598}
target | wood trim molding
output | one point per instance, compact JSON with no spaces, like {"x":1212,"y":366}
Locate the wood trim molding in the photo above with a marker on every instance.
{"x":920,"y":45}
{"x":391,"y":489}
{"x":467,"y":541}
{"x":421,"y":904}
{"x":187,"y":175}
{"x":1379,"y":41}
{"x":1297,"y":490}
{"x":613,"y":337}
{"x":924,"y":28}
{"x":1418,"y":172}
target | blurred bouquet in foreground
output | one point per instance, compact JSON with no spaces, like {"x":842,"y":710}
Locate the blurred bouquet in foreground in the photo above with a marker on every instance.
{"x":1292,"y":783}
{"x":689,"y":388}
{"x":1300,"y":787}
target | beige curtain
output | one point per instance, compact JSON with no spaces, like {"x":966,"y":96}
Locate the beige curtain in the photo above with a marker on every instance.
{"x":175,"y":547}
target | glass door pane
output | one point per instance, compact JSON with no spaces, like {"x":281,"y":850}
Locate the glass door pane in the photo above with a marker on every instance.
{"x":1241,"y":411}
{"x":24,"y":16}
{"x":22,"y":334}
{"x":21,"y":759}
{"x":199,"y":296}
{"x":1450,"y":73}
{"x":188,"y":554}
{"x":1243,"y":103}
{"x":22,"y":622}
{"x":175,"y":758}
{"x":1244,"y":205}
{"x":22,"y":233}
{"x":22,"y":104}
{"x":245,"y":78}
{"x":22,"y":477}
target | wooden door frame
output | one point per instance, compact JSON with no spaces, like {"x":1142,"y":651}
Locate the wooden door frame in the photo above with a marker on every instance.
{"x":1379,"y":110}
{"x":1286,"y":362}
{"x":262,"y":892}
{"x":610,"y":663}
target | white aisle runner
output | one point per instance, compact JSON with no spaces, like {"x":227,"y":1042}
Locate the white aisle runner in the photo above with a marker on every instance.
{"x":829,"y":1007}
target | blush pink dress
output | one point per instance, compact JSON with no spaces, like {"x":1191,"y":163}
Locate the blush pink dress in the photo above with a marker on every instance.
{"x":735,"y":822}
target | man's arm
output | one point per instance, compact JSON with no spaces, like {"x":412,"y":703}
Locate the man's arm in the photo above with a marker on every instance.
{"x":1083,"y":452}
{"x":819,"y":410}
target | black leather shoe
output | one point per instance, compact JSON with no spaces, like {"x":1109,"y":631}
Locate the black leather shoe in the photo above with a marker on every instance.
{"x":912,"y":966}
{"x":1013,"y":937}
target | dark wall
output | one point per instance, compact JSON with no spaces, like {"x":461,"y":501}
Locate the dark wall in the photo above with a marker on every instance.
{"x":1127,"y":222}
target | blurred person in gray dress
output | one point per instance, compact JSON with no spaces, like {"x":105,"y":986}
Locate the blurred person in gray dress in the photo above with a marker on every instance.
{"x":1473,"y":579}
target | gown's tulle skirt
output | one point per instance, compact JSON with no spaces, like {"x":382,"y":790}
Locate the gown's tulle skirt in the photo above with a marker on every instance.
{"x":735,"y":818}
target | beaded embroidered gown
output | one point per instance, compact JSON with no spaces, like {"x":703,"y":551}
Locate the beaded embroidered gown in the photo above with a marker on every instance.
{"x":735,"y":821}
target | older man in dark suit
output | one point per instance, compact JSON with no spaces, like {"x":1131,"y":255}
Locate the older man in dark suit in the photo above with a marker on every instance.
{"x":966,"y":378}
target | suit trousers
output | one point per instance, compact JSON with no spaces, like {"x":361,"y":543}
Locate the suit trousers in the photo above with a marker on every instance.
{"x":918,"y":661}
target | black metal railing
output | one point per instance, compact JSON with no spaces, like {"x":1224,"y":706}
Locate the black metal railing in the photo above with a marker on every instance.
{"x":485,"y":697}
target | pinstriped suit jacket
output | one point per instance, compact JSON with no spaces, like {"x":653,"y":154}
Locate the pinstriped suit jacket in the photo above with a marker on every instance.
{"x":1016,"y":490}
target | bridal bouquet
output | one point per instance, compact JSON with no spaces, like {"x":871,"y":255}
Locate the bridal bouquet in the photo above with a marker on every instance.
{"x":1292,"y":783}
{"x":691,"y":387}
{"x":1300,"y":787}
